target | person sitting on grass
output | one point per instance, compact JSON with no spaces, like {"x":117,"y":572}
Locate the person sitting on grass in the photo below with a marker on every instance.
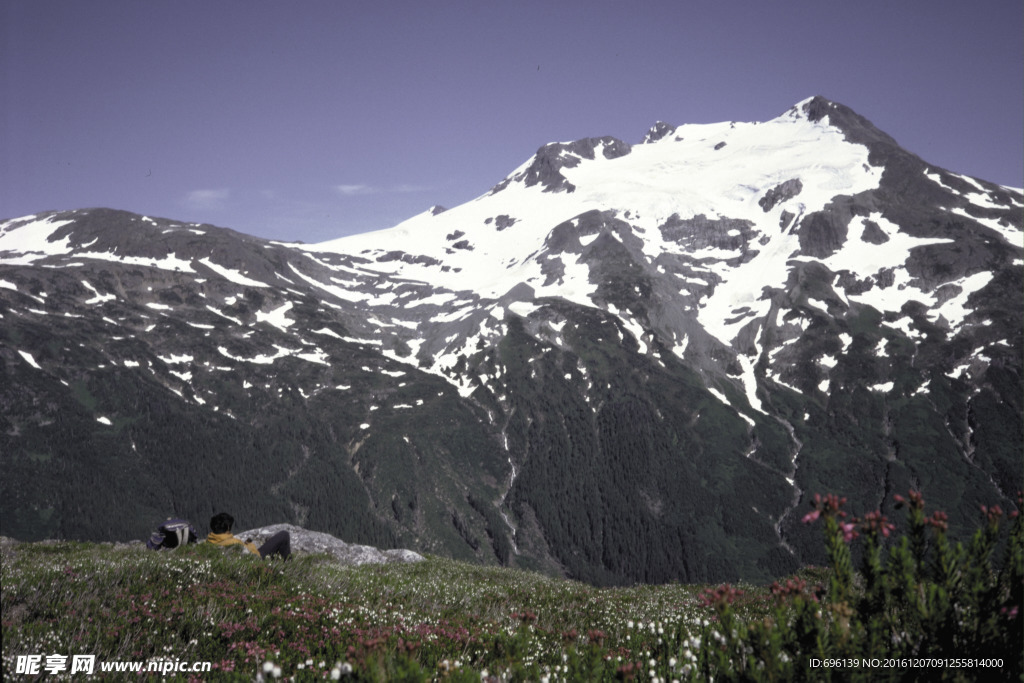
{"x":279,"y":544}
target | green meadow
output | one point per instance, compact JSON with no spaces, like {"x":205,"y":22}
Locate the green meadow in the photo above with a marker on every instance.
{"x":899,"y":602}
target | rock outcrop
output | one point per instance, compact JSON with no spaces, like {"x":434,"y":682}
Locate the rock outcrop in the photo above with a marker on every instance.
{"x":303,"y":541}
{"x":306,"y":541}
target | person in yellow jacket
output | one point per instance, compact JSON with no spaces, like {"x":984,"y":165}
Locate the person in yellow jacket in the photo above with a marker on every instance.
{"x":279,"y":544}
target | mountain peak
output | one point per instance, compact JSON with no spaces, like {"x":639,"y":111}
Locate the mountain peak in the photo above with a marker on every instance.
{"x":658,"y":131}
{"x":770,"y":307}
{"x":546,"y":166}
{"x":856,"y":128}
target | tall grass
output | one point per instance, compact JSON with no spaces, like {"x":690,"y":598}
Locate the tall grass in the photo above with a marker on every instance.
{"x":917,"y":608}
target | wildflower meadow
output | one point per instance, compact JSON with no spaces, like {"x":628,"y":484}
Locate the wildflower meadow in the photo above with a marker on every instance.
{"x":911,"y":606}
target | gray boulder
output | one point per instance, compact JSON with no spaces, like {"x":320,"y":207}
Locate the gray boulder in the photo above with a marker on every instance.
{"x":306,"y":541}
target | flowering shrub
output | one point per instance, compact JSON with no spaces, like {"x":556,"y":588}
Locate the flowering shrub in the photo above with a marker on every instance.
{"x":914,"y":596}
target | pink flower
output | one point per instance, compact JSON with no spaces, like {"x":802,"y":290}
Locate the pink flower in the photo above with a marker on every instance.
{"x":939,"y":520}
{"x":811,"y":516}
{"x":916,"y":500}
{"x":792,"y":587}
{"x":829,"y":505}
{"x":875,"y":522}
{"x":992,"y":513}
{"x":723,"y":595}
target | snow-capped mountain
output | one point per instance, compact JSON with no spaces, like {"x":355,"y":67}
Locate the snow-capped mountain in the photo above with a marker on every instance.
{"x":623,"y":362}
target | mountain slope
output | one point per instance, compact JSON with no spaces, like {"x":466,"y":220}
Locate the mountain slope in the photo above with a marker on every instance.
{"x":624,"y":362}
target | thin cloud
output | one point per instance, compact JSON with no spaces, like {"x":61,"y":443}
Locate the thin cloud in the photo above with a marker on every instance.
{"x":363,"y":189}
{"x":355,"y":190}
{"x":207,"y":199}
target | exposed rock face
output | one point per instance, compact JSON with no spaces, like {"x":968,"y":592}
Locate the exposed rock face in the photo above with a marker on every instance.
{"x":780,"y":193}
{"x":306,"y":541}
{"x":701,"y":232}
{"x":658,"y":131}
{"x":546,"y":168}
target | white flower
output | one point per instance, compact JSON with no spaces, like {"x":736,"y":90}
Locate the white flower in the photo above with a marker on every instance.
{"x":268,"y":666}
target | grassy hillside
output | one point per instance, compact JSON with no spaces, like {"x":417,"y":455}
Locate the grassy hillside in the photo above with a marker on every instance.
{"x":911,"y":608}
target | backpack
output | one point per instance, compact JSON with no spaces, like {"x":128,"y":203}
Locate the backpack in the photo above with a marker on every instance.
{"x":171,"y":534}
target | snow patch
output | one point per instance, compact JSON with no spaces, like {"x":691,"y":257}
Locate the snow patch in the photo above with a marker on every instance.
{"x":277,"y":316}
{"x":30,"y":241}
{"x":29,"y":359}
{"x":231,"y":275}
{"x":97,"y":298}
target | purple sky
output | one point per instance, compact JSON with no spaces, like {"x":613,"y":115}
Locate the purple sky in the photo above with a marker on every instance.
{"x":312,"y":120}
